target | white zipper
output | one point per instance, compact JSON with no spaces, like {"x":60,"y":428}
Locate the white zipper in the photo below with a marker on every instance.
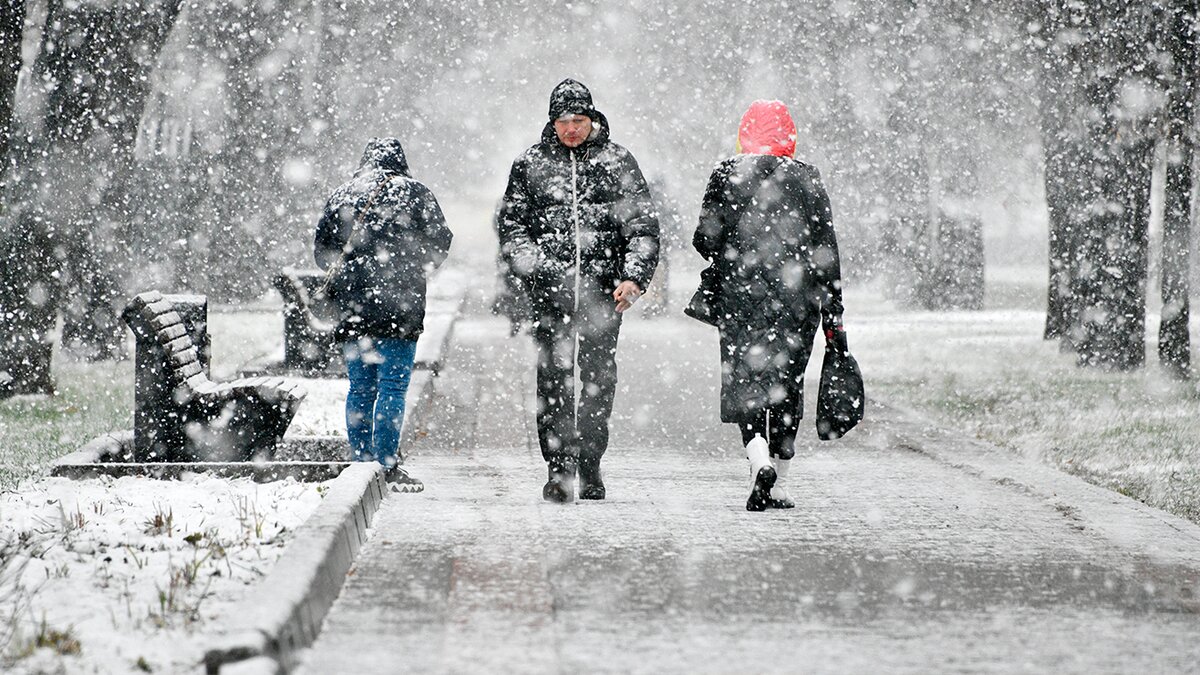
{"x":768,"y":427}
{"x":578,"y":274}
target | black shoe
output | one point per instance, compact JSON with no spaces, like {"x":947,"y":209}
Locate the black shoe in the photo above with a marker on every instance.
{"x":400,"y":481}
{"x":591,"y":483}
{"x":560,"y":488}
{"x":760,"y":494}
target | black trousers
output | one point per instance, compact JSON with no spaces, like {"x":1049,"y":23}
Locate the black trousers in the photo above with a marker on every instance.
{"x":559,"y":326}
{"x":783,"y":427}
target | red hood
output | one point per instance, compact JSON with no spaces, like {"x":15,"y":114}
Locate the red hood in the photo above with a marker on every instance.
{"x":767,"y":129}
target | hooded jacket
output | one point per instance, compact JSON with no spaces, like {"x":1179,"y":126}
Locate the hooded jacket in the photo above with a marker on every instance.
{"x":591,"y":201}
{"x":391,"y":230}
{"x":767,"y":226}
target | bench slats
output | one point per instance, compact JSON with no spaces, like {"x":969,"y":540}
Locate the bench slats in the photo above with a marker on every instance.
{"x":254,"y":412}
{"x":180,"y":344}
{"x":162,"y":322}
{"x":187,"y":370}
{"x":185,"y":356}
{"x":166,"y":335}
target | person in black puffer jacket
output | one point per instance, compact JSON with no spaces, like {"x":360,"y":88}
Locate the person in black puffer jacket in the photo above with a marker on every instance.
{"x":380,"y":235}
{"x":578,"y":227}
{"x":767,"y":228}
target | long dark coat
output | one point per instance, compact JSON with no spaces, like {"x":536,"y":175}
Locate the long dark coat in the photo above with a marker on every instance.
{"x":618,"y":230}
{"x":392,"y":231}
{"x":766,"y":224}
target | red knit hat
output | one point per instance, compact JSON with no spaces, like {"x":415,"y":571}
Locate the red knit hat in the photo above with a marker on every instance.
{"x":767,"y":129}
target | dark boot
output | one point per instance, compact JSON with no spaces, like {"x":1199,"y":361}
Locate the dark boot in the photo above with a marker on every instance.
{"x":591,"y":484}
{"x":760,"y":492}
{"x":560,"y":487}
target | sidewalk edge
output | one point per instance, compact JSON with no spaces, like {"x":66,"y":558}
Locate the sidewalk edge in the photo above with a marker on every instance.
{"x":1131,"y":524}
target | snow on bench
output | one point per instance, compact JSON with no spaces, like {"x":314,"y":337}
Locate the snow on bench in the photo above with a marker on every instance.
{"x":182,"y":415}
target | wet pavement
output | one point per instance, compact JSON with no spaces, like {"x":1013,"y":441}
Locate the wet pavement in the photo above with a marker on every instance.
{"x":893,"y":561}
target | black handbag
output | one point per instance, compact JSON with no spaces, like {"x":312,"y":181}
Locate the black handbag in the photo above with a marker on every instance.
{"x":841,"y":399}
{"x":703,"y":305}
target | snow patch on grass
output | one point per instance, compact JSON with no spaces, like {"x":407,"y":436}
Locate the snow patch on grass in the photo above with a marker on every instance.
{"x":129,"y":574}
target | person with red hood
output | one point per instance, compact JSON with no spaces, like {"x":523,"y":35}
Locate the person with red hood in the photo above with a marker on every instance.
{"x":767,"y":229}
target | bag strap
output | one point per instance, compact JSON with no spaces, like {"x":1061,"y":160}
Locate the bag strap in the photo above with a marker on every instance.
{"x":337,"y":264}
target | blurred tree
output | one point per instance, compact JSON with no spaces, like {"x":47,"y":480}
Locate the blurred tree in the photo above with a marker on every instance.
{"x":12,"y":25}
{"x":1099,"y":107}
{"x":29,"y":300}
{"x":1181,"y":44}
{"x":1063,"y":150}
{"x":92,"y":73}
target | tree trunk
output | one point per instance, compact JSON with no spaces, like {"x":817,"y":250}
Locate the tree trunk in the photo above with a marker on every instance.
{"x":1110,"y":275}
{"x":1174,"y":340}
{"x":1064,"y":154}
{"x":29,"y":300}
{"x":12,"y":24}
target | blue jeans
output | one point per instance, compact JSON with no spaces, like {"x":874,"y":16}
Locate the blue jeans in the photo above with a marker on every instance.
{"x":379,"y":371}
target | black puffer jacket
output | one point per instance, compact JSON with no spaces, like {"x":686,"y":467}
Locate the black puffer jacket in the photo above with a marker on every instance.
{"x":618,"y":231}
{"x":392,"y":232}
{"x":767,"y":225}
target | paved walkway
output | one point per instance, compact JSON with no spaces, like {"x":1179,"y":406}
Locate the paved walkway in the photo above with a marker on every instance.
{"x":898,"y":559}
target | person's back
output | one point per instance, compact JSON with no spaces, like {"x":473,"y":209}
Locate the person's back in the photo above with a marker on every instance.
{"x":386,"y":227}
{"x":767,"y":229}
{"x":379,"y":233}
{"x":775,"y":257}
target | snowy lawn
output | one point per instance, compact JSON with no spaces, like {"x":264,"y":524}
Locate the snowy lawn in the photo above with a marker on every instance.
{"x":93,"y":398}
{"x":129,"y":574}
{"x":989,"y":374}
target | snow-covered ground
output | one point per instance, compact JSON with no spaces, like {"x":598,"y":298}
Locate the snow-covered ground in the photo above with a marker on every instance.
{"x":129,"y":574}
{"x":991,"y":375}
{"x":106,"y":571}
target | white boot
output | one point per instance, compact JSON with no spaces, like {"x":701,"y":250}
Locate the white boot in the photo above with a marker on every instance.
{"x":780,"y":499}
{"x":762,"y":474}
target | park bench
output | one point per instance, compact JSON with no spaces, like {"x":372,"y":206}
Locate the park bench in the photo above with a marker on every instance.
{"x":182,"y":415}
{"x":308,"y":322}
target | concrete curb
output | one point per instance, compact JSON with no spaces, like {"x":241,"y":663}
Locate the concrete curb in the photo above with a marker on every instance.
{"x":447,"y":294}
{"x":313,"y":459}
{"x":440,"y":316}
{"x":1128,"y":523}
{"x":261,"y":472}
{"x":283,"y":614}
{"x":100,"y":449}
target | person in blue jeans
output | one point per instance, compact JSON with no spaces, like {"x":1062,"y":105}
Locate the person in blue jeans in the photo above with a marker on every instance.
{"x":381,"y":234}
